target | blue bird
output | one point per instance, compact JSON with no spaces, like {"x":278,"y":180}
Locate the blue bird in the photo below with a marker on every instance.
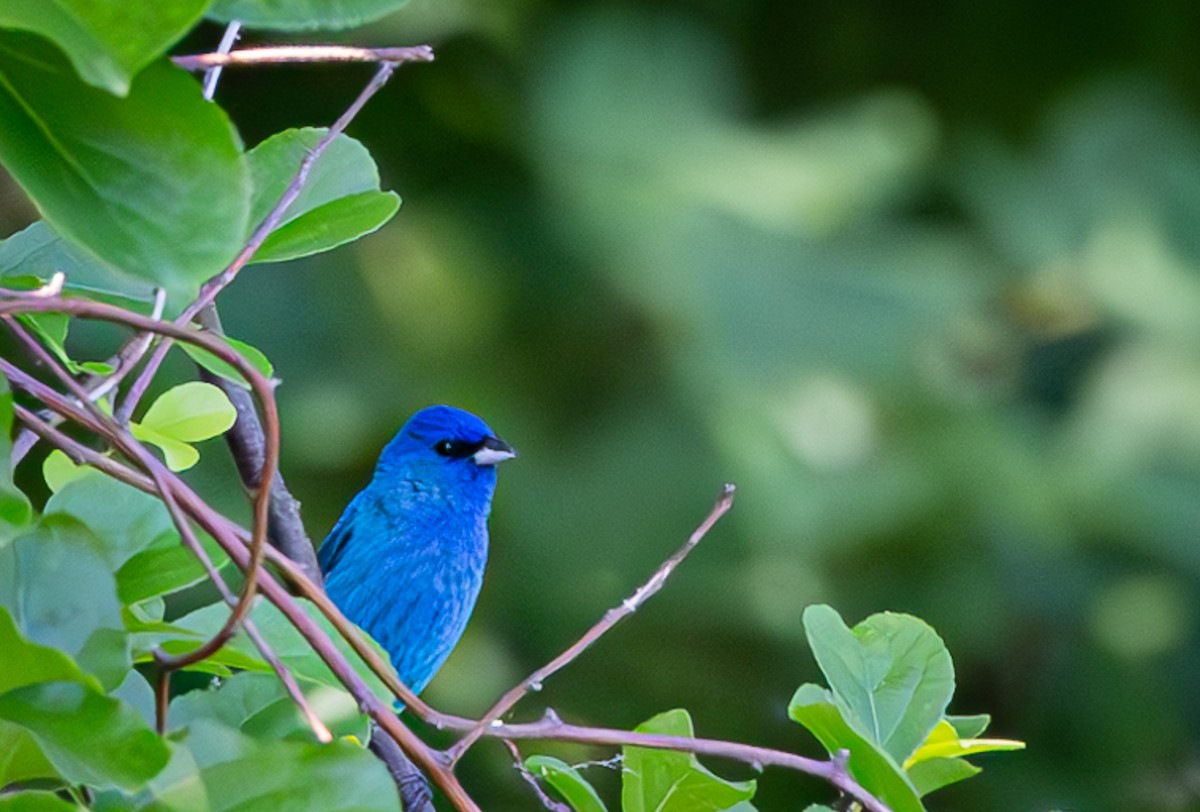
{"x":405,"y":561}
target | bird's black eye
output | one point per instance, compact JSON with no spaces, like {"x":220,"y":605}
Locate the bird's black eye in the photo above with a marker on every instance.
{"x":456,"y":448}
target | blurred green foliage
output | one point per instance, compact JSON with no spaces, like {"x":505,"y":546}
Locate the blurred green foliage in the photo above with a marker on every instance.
{"x":921,"y":281}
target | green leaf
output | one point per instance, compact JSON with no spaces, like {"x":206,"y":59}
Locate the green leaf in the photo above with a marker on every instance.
{"x":944,"y":742}
{"x":36,"y":802}
{"x":333,"y":224}
{"x":340,"y":202}
{"x":20,"y":757}
{"x":58,"y":470}
{"x":218,"y":367}
{"x":37,"y":253}
{"x":969,"y":727}
{"x":567,"y":781}
{"x":302,"y":15}
{"x":27,"y":662}
{"x":668,"y":781}
{"x":153,"y":184}
{"x":295,"y":652}
{"x":230,"y":771}
{"x":190,"y":412}
{"x":60,"y":591}
{"x":940,"y":772}
{"x":178,"y":455}
{"x":107,"y":43}
{"x":814,"y":707}
{"x":258,"y":705}
{"x":164,"y":567}
{"x":90,"y":738}
{"x":15,"y":510}
{"x":891,"y":676}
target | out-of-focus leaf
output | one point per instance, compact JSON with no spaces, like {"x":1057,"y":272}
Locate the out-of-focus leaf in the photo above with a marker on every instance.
{"x":15,"y":510}
{"x":123,"y":518}
{"x":106,"y":43}
{"x":258,"y":705}
{"x":567,"y":781}
{"x":37,"y":253}
{"x":58,"y":470}
{"x":90,"y":738}
{"x":234,"y":772}
{"x":164,"y":567}
{"x":60,"y":591}
{"x":153,"y":183}
{"x":35,"y":801}
{"x":340,"y":202}
{"x":814,"y":707}
{"x":293,"y":650}
{"x":891,"y":676}
{"x":969,"y":727}
{"x":667,"y":781}
{"x":302,"y":15}
{"x":20,"y":757}
{"x":218,"y":367}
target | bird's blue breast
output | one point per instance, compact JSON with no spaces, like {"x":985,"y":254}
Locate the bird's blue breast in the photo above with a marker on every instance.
{"x":406,"y":560}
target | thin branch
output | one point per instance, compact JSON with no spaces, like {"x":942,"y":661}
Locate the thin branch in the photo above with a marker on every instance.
{"x":553,"y":728}
{"x":611,"y":618}
{"x":304,"y":53}
{"x":213,"y":74}
{"x":210,"y":289}
{"x":531,"y":779}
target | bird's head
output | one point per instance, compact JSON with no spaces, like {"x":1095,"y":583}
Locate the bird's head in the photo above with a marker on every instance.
{"x":446,"y":442}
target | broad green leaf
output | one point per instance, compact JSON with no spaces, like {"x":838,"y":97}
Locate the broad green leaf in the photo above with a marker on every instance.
{"x":295,"y":652}
{"x":235,"y":772}
{"x":15,"y":510}
{"x":258,"y":705}
{"x":340,"y":201}
{"x":190,"y":412}
{"x":153,"y":184}
{"x":818,"y":808}
{"x":58,"y":470}
{"x":813,"y":707}
{"x":89,"y":738}
{"x":164,"y":567}
{"x":668,"y":781}
{"x":20,"y":757}
{"x":27,"y":662}
{"x":60,"y":591}
{"x":940,"y":772}
{"x":37,"y":253}
{"x":218,"y":367}
{"x":302,"y":15}
{"x":35,"y":801}
{"x":106,"y":42}
{"x":178,"y":455}
{"x":333,"y":224}
{"x":124,"y":519}
{"x":891,"y":676}
{"x":567,"y":781}
{"x":944,"y":742}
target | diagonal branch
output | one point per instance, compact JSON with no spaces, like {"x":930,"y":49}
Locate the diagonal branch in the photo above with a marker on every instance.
{"x":611,"y":618}
{"x":304,"y":53}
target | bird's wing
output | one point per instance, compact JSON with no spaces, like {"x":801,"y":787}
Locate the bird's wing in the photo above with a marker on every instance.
{"x":338,"y":540}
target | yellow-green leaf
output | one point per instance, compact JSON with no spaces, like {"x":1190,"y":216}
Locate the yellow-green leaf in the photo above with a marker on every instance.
{"x":58,"y":470}
{"x":943,"y":742}
{"x":178,"y":455}
{"x":190,"y":412}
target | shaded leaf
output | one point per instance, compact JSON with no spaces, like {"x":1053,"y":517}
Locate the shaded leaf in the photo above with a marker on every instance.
{"x":107,"y":43}
{"x":89,"y":738}
{"x":340,"y":201}
{"x":891,"y":676}
{"x":15,"y":510}
{"x":668,"y":781}
{"x":20,"y":757}
{"x":567,"y":781}
{"x":218,"y":367}
{"x":302,"y":15}
{"x":153,"y":183}
{"x":34,"y":801}
{"x":940,"y":772}
{"x":814,"y":707}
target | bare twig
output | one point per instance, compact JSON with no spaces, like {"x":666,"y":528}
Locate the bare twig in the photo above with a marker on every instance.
{"x":611,"y":618}
{"x":210,"y":289}
{"x":553,"y":728}
{"x":304,"y":53}
{"x":531,"y":779}
{"x":213,"y":74}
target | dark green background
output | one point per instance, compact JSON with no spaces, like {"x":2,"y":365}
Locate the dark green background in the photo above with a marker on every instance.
{"x":920,"y":279}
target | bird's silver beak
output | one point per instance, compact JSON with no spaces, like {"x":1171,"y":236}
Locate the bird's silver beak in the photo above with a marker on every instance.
{"x":494,"y":451}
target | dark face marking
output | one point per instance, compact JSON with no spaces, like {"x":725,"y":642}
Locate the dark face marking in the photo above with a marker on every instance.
{"x":457,"y":449}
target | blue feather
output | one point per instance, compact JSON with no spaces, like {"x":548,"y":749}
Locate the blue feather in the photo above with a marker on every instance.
{"x":405,"y":561}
